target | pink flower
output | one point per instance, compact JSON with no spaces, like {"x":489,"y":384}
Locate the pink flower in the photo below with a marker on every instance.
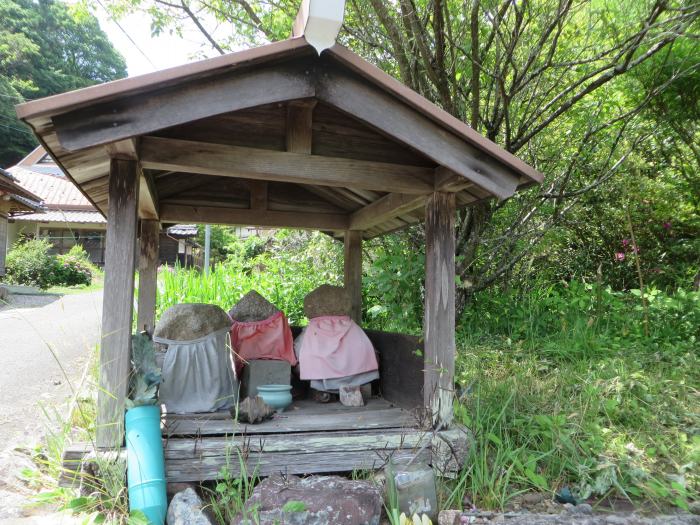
{"x":667,"y":225}
{"x":625,"y":242}
{"x":620,"y":256}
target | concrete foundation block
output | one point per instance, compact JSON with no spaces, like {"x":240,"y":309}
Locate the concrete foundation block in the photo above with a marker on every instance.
{"x":264,"y":372}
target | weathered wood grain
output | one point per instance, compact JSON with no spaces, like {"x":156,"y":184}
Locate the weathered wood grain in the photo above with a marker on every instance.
{"x":234,"y":161}
{"x":383,"y":112}
{"x":118,"y":294}
{"x":203,"y":458}
{"x":140,"y":114}
{"x":148,"y":275}
{"x":385,"y":208}
{"x":275,"y":219}
{"x":353,"y":272}
{"x":439,"y":317}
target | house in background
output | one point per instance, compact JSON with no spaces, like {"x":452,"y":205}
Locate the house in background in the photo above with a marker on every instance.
{"x":15,"y":201}
{"x":69,"y":218}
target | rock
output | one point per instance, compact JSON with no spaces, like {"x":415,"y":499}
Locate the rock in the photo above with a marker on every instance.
{"x":259,"y":372}
{"x":253,"y":410}
{"x":185,"y":322}
{"x":4,"y":294}
{"x":532,"y":498}
{"x":186,"y":509}
{"x":327,"y":300}
{"x":316,"y":500}
{"x":98,"y":469}
{"x":694,"y":507}
{"x":252,"y":307}
{"x":449,"y":517}
{"x":351,"y":396}
{"x":174,"y":488}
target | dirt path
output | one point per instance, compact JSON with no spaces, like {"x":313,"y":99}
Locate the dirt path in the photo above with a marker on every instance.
{"x":36,"y":333}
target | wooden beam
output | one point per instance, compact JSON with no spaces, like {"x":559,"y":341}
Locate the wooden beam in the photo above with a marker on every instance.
{"x":148,"y":274}
{"x":387,"y":114}
{"x":299,"y":122}
{"x":236,"y":216}
{"x":118,"y":297}
{"x":144,"y":113}
{"x":258,"y":195}
{"x":353,"y":272}
{"x":449,"y":181}
{"x":126,"y":149}
{"x":235,"y":161}
{"x":439,"y":317}
{"x":148,"y":196}
{"x":387,"y":207}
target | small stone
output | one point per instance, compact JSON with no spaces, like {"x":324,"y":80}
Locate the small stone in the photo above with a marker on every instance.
{"x":582,"y":508}
{"x":327,"y":300}
{"x":253,"y":410}
{"x":694,"y":507}
{"x":186,"y":509}
{"x":533,"y":498}
{"x":186,"y":322}
{"x":449,"y":517}
{"x":351,"y":396}
{"x":57,"y":382}
{"x":252,"y":307}
{"x":4,"y":294}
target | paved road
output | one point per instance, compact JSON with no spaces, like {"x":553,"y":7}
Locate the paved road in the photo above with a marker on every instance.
{"x":32,"y":340}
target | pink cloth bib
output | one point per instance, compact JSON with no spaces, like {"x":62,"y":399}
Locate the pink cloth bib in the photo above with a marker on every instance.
{"x":267,"y":339}
{"x":334,"y":346}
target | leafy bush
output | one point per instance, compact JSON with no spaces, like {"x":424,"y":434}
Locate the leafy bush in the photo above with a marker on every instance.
{"x":74,"y":268}
{"x":30,"y":263}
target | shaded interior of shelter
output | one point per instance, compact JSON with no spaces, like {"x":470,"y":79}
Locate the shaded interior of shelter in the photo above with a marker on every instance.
{"x":334,"y":134}
{"x":396,"y":403}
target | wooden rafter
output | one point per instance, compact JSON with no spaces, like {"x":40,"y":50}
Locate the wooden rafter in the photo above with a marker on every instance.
{"x":235,"y":161}
{"x":247,"y":217}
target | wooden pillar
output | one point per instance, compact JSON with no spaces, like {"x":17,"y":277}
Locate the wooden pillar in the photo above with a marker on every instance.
{"x":353,"y":272}
{"x":439,"y":318}
{"x":117,"y":309}
{"x":148,"y":274}
{"x":3,"y":243}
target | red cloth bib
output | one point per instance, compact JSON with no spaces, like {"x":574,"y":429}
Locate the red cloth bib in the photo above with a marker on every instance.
{"x":267,"y":339}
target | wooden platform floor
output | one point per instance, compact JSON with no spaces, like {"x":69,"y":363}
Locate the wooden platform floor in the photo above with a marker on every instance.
{"x":307,"y":438}
{"x":302,"y":416}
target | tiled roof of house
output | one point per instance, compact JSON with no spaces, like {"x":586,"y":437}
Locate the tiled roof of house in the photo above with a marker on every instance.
{"x":82,"y":217}
{"x":56,"y":190}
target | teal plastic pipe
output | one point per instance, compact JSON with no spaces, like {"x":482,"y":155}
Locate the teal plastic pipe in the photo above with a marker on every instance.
{"x":145,"y":463}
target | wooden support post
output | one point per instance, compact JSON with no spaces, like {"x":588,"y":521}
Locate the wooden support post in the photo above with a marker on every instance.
{"x":117,"y":309}
{"x":353,"y":272}
{"x":3,"y":243}
{"x":439,"y":319}
{"x":148,"y":274}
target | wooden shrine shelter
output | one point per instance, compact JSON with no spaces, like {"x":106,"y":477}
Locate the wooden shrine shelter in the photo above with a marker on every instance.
{"x":278,"y":136}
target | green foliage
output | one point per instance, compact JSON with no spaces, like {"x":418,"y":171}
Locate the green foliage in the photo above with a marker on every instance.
{"x":291,"y":265}
{"x":30,"y":263}
{"x":561,"y":387}
{"x":47,"y":47}
{"x":228,"y":499}
{"x":145,"y":375}
{"x":74,"y":268}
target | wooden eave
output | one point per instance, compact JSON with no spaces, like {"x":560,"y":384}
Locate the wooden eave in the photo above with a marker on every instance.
{"x":213,"y":141}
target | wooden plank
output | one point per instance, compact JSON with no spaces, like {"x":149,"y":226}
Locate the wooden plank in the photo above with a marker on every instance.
{"x":387,"y":207}
{"x":203,"y":458}
{"x":140,"y":114}
{"x":118,"y":296}
{"x":331,"y":422}
{"x":439,"y":316}
{"x":148,"y":275}
{"x":274,"y":219}
{"x":385,"y":113}
{"x":258,"y":195}
{"x":353,"y":272}
{"x":252,"y":163}
{"x":299,"y":125}
{"x":148,"y":196}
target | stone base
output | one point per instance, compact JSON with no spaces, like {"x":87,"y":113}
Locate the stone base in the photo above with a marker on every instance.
{"x":264,"y":372}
